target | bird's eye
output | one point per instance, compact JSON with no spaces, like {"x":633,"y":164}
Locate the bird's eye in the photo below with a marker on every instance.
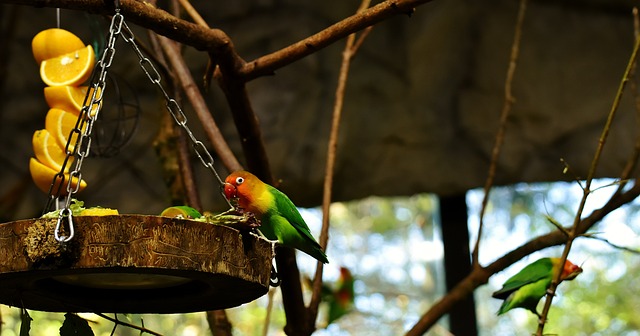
{"x":239,"y":180}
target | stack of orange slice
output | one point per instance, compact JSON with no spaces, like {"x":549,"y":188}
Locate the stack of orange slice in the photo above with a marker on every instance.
{"x":65,"y":64}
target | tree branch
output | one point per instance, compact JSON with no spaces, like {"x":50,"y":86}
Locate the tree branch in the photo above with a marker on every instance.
{"x":587,"y":189}
{"x":349,"y":51}
{"x":219,"y":44}
{"x":267,"y":64}
{"x":504,"y":115}
{"x":481,"y":275}
{"x":116,"y":321}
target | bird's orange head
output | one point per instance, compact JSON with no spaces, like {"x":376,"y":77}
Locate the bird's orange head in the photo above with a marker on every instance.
{"x":242,"y":185}
{"x":345,"y":273}
{"x":569,"y":271}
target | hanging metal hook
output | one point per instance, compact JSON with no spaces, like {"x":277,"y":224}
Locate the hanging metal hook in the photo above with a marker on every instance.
{"x":64,"y":213}
{"x":274,"y":280}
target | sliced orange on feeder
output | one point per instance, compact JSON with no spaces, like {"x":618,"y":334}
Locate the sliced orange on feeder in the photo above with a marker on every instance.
{"x":48,"y":151}
{"x":99,"y":212}
{"x":67,"y":98}
{"x":71,"y":69}
{"x":43,"y":176}
{"x":54,"y":42}
{"x":59,"y":123}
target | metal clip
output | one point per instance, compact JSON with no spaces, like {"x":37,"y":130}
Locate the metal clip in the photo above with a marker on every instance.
{"x":274,"y":280}
{"x":64,"y":213}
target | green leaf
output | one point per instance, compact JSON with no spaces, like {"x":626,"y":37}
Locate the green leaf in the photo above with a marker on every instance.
{"x":75,"y":325}
{"x":25,"y":324}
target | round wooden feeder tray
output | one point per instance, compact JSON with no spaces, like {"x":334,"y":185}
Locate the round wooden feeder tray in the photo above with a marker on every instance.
{"x":131,"y":264}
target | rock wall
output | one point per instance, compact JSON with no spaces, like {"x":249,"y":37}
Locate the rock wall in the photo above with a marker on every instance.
{"x":421,"y":110}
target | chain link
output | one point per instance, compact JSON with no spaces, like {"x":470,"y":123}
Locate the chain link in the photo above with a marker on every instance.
{"x":81,"y":132}
{"x":88,"y":114}
{"x":173,"y":107}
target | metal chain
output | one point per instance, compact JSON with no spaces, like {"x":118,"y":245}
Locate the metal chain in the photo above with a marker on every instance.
{"x":89,"y":113}
{"x":173,"y":107}
{"x":82,"y":131}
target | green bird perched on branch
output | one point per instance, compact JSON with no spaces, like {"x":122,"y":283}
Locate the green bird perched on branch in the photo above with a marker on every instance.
{"x":527,"y":287}
{"x":279,"y":218}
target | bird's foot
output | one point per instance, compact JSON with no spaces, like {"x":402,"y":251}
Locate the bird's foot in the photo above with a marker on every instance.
{"x":550,"y":292}
{"x":256,"y":234}
{"x":232,"y":211}
{"x":273,"y":247}
{"x":250,"y":220}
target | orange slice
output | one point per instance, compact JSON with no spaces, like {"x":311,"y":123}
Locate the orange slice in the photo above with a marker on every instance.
{"x":99,"y":212}
{"x":54,"y":42}
{"x":72,"y":69}
{"x":59,"y":124}
{"x":48,"y":151}
{"x":66,"y":98}
{"x":43,"y":176}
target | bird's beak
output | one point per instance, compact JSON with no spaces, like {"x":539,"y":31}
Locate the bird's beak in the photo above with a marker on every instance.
{"x":574,"y":273}
{"x":230,"y":191}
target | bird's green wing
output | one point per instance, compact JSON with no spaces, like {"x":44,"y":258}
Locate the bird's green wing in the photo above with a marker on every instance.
{"x":533,"y":272}
{"x":526,"y":297}
{"x":288,"y":210}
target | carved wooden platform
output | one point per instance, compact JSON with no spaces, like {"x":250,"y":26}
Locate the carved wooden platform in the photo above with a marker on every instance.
{"x":131,"y":264}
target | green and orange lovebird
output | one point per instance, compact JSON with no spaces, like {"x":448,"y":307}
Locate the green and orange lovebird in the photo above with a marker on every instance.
{"x":341,"y":299}
{"x":279,"y":217}
{"x":527,"y":287}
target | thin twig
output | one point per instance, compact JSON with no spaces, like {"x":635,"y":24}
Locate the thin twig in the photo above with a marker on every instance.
{"x":614,"y":245}
{"x":504,"y":115}
{"x":267,"y":318}
{"x":633,"y":160}
{"x":128,"y":325}
{"x":351,"y":47}
{"x":586,"y":191}
{"x":193,"y":13}
{"x":208,"y":74}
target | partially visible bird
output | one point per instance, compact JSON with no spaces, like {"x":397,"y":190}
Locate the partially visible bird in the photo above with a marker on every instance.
{"x":181,"y":211}
{"x":527,"y":287}
{"x":341,"y":299}
{"x":279,"y":217}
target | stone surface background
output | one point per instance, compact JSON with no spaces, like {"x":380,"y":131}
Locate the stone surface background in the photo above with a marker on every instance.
{"x":421,"y":110}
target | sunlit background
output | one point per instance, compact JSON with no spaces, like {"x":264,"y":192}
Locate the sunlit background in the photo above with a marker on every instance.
{"x":393,"y":248}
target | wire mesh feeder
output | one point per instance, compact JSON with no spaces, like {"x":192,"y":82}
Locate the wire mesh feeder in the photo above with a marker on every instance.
{"x":131,"y":264}
{"x":118,"y":120}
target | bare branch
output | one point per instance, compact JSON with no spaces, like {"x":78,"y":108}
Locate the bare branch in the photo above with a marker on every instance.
{"x":217,"y":41}
{"x":349,"y":51}
{"x":142,"y":329}
{"x":481,"y":275}
{"x":267,"y":64}
{"x":193,"y":13}
{"x":614,"y":245}
{"x":586,"y":191}
{"x":504,"y":115}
